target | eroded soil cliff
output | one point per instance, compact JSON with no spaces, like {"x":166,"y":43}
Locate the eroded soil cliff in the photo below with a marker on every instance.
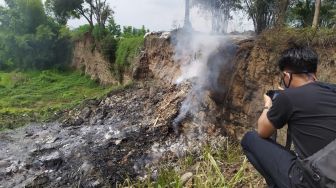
{"x":130,"y":131}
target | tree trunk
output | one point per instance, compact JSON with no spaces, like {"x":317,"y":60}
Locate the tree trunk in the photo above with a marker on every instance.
{"x":187,"y":23}
{"x":282,"y":9}
{"x":317,"y":14}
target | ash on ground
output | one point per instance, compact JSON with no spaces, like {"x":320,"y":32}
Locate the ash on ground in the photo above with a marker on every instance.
{"x":101,"y":143}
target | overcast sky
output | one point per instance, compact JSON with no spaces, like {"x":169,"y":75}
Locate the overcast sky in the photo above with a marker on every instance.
{"x":158,"y":15}
{"x":162,"y":15}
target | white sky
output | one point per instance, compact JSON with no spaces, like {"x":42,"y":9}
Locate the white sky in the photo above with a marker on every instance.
{"x":159,"y":15}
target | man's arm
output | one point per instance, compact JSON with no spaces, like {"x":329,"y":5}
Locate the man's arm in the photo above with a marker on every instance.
{"x":265,"y":127}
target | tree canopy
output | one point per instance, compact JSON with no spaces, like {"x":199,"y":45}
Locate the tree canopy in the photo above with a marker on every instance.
{"x":29,"y":39}
{"x":301,"y":13}
{"x":220,"y":11}
{"x":94,"y":11}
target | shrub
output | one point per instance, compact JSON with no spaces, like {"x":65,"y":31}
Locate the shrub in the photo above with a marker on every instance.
{"x":128,"y":49}
{"x":109,"y":47}
{"x":79,"y":32}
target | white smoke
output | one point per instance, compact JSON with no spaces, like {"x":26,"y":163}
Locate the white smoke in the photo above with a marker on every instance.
{"x":201,"y":70}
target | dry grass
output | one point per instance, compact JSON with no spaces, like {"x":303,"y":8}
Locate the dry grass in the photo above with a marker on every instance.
{"x":219,"y":165}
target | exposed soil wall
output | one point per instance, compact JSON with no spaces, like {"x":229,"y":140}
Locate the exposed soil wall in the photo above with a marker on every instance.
{"x":252,"y":72}
{"x":157,"y":59}
{"x":255,"y":72}
{"x":88,"y":59}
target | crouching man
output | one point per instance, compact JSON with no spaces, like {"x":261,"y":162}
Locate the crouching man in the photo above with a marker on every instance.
{"x":309,"y":109}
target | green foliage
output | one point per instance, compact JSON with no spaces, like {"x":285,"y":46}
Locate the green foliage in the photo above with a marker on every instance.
{"x":119,"y":48}
{"x":97,"y":11}
{"x":263,"y":13}
{"x":129,"y":31}
{"x":31,"y":40}
{"x":99,"y":32}
{"x":301,"y":13}
{"x":79,"y":32}
{"x":36,"y":96}
{"x":63,"y":10}
{"x":113,"y":28}
{"x":22,"y":16}
{"x":128,"y":49}
{"x":109,"y":47}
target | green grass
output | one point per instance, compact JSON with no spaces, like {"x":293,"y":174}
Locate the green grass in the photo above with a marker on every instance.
{"x":36,"y":96}
{"x":128,"y":49}
{"x":222,"y":164}
{"x":78,"y":33}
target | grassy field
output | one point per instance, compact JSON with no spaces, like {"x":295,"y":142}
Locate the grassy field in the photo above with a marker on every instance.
{"x":37,"y":96}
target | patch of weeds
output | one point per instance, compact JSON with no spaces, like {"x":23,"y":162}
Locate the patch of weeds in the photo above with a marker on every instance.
{"x":218,"y":165}
{"x":128,"y":49}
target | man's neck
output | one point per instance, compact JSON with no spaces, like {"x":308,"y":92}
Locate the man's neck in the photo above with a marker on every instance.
{"x":298,"y":82}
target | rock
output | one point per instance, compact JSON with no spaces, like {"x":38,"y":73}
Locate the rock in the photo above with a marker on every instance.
{"x":4,"y":163}
{"x":165,"y":35}
{"x":185,"y":177}
{"x":52,"y":160}
{"x":36,"y":164}
{"x":95,"y":184}
{"x":52,"y":140}
{"x":86,"y":168}
{"x":12,"y":169}
{"x":85,"y":113}
{"x":78,"y":121}
{"x":93,"y":102}
{"x":117,"y":142}
{"x":38,"y":181}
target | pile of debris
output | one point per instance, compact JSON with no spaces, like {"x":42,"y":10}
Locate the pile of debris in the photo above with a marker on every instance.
{"x":102,"y":142}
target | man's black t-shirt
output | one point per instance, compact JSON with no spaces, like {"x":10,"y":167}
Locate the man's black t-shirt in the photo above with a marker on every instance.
{"x":310,"y":112}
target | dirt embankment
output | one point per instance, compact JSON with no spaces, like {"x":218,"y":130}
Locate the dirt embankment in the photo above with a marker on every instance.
{"x":255,"y":72}
{"x":88,"y":59}
{"x":245,"y":79}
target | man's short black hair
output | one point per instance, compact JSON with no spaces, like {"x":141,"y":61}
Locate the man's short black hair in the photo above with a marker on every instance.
{"x":299,"y":60}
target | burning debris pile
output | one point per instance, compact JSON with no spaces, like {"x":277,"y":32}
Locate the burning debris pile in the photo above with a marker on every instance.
{"x":210,"y":57}
{"x":103,"y":142}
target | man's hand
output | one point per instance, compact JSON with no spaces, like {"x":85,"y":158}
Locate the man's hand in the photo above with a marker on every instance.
{"x":265,"y":127}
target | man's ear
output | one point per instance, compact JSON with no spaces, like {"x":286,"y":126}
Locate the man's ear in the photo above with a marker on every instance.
{"x":287,"y":74}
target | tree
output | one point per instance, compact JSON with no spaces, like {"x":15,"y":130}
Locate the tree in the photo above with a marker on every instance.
{"x":129,"y":31}
{"x":328,"y":14}
{"x":113,"y":27}
{"x":187,"y":23}
{"x":263,"y":13}
{"x":317,"y":13}
{"x":22,"y":16}
{"x":29,"y":39}
{"x":301,"y":13}
{"x":220,"y":12}
{"x":281,"y":13}
{"x":94,"y":11}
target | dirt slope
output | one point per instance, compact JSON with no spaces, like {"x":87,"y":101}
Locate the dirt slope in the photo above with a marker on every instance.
{"x":88,"y":59}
